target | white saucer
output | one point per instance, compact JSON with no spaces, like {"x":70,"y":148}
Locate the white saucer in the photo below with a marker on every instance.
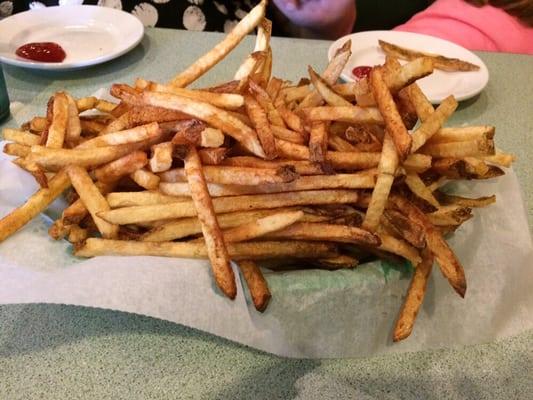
{"x":437,"y":86}
{"x":88,"y":34}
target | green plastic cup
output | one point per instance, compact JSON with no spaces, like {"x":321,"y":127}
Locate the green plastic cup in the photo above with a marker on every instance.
{"x":4,"y":99}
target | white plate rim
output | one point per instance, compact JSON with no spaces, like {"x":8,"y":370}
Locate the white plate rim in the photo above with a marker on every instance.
{"x":130,"y":42}
{"x":483,"y":72}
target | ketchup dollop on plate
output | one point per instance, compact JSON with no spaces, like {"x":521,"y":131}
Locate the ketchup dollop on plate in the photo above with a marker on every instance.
{"x":361,"y":71}
{"x":44,"y":51}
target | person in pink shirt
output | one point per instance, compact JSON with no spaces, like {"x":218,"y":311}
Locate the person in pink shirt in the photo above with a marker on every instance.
{"x":488,"y":25}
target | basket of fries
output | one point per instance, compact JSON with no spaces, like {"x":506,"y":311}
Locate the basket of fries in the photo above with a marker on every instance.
{"x":261,"y":171}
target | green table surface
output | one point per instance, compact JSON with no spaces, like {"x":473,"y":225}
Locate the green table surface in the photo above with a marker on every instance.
{"x":67,"y":352}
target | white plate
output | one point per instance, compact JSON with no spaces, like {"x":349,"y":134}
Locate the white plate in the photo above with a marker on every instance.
{"x":88,"y":34}
{"x":437,"y":86}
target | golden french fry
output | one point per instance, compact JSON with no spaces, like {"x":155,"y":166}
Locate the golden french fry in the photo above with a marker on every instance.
{"x":73,"y":131}
{"x":448,"y":199}
{"x":39,"y":124}
{"x":132,"y":215}
{"x":393,"y":122}
{"x":256,"y":283}
{"x":262,"y":42}
{"x":414,"y":298}
{"x":433,"y":123}
{"x":161,"y":159}
{"x":214,"y":116}
{"x":273,"y":88}
{"x":351,"y":114}
{"x":339,"y":144}
{"x":144,"y":198}
{"x":407,"y":74}
{"x":318,"y":142}
{"x":467,"y":148}
{"x":417,"y":163}
{"x":214,"y":241}
{"x":58,"y":127}
{"x":417,"y":186}
{"x":262,"y":226}
{"x":123,"y":166}
{"x":325,"y":91}
{"x":208,"y":60}
{"x":326,"y":232}
{"x":24,"y":138}
{"x":440,"y":62}
{"x":419,"y":100}
{"x":450,"y":267}
{"x":399,"y":247}
{"x":93,"y":247}
{"x":259,"y":119}
{"x":461,"y":134}
{"x":92,"y":199}
{"x":450,"y":215}
{"x":236,"y":175}
{"x":86,"y":103}
{"x":301,"y":167}
{"x":19,"y":217}
{"x":134,"y":135}
{"x":410,"y":231}
{"x":287,"y":134}
{"x":213,"y":156}
{"x":145,"y":179}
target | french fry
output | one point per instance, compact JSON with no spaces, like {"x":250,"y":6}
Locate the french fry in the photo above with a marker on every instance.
{"x":417,"y":163}
{"x":414,"y":298}
{"x":92,"y":199}
{"x":86,"y":103}
{"x":214,"y":116}
{"x":77,"y":234}
{"x":500,"y":158}
{"x":73,"y":130}
{"x":123,"y":166}
{"x":450,"y":215}
{"x":440,"y":62}
{"x":256,"y":283}
{"x":273,"y":88}
{"x":450,"y":267}
{"x":133,"y":135}
{"x":448,"y":199}
{"x":318,"y":142}
{"x":260,"y":121}
{"x":213,"y":156}
{"x":456,"y":168}
{"x":287,"y":134}
{"x":132,"y":215}
{"x":144,"y":198}
{"x":34,"y":169}
{"x":39,"y":124}
{"x":339,"y":144}
{"x":183,"y":227}
{"x":262,"y":226}
{"x":301,"y":167}
{"x":399,"y":247}
{"x":326,"y":232}
{"x":208,"y":60}
{"x":395,"y":127}
{"x":417,"y":186}
{"x":462,"y":134}
{"x":407,"y":74}
{"x":93,"y":247}
{"x":92,"y":157}
{"x":433,"y":123}
{"x":236,"y":175}
{"x":214,"y":241}
{"x":262,"y":42}
{"x":419,"y":100}
{"x":351,"y":114}
{"x":91,"y":127}
{"x":38,"y":202}
{"x":161,"y":159}
{"x":24,"y":138}
{"x":410,"y":231}
{"x":146,"y":179}
{"x":469,"y":148}
{"x":327,"y":93}
{"x":58,"y":127}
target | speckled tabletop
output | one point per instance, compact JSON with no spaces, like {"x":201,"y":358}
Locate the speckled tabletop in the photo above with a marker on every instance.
{"x":67,"y":352}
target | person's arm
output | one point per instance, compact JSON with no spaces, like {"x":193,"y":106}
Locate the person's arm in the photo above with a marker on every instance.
{"x":324,"y":19}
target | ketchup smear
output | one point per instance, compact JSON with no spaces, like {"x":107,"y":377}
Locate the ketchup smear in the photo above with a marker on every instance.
{"x":44,"y":51}
{"x":361,"y":72}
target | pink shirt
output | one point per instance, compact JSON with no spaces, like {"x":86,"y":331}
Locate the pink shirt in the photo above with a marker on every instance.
{"x":486,"y":28}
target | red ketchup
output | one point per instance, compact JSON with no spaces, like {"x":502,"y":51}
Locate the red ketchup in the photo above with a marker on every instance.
{"x":44,"y":52}
{"x":361,"y":72}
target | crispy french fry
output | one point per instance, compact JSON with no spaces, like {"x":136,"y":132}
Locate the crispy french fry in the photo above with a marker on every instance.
{"x":214,"y":241}
{"x":256,"y":283}
{"x":339,"y":144}
{"x":161,"y":159}
{"x":448,"y":199}
{"x":123,"y":166}
{"x":325,"y":91}
{"x":417,"y":163}
{"x":214,"y":116}
{"x":262,"y":42}
{"x":419,"y":100}
{"x":301,"y":167}
{"x":318,"y":142}
{"x":410,"y":231}
{"x":145,"y":179}
{"x":128,"y":199}
{"x":213,"y":156}
{"x":238,"y":251}
{"x":73,"y":131}
{"x":86,"y":103}
{"x":351,"y":114}
{"x":133,"y":135}
{"x":92,"y":199}
{"x":24,"y":138}
{"x":132,"y":215}
{"x":287,"y":134}
{"x":260,"y":121}
{"x":395,"y":127}
{"x":326,"y":232}
{"x":462,"y":134}
{"x":399,"y":247}
{"x":417,"y":186}
{"x":262,"y":226}
{"x":33,"y":206}
{"x":236,"y":175}
{"x":415,"y":296}
{"x":450,"y":267}
{"x":39,"y":124}
{"x":34,"y":169}
{"x":467,"y":148}
{"x":208,"y":60}
{"x":440,"y":62}
{"x":433,"y":123}
{"x":58,"y":127}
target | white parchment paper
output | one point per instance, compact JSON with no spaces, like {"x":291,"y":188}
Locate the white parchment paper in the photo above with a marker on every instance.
{"x":313,"y":313}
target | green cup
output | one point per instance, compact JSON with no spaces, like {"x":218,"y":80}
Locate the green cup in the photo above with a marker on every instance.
{"x":4,"y":100}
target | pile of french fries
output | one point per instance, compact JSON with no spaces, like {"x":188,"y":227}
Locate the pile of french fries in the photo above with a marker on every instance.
{"x":317,"y":174}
